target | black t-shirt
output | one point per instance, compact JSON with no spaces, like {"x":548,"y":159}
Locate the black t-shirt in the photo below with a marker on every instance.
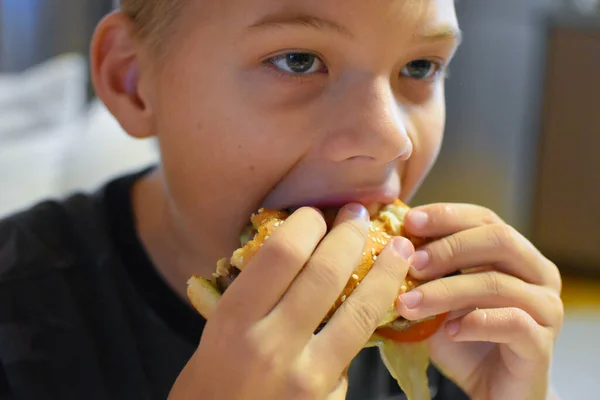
{"x":84,"y":314}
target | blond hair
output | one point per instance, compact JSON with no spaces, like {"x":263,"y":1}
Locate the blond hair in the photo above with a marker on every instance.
{"x":152,"y":17}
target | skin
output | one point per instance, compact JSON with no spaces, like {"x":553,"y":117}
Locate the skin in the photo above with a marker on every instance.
{"x":239,"y":130}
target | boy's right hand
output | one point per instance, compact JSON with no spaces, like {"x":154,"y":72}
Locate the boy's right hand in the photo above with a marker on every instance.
{"x":259,"y":343}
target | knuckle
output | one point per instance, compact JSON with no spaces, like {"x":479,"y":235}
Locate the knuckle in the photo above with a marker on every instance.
{"x":453,"y":246}
{"x":441,"y":212}
{"x":489,"y":217}
{"x":537,"y":337}
{"x":522,"y":321}
{"x":442,"y":289}
{"x":391,"y":272}
{"x":556,"y":304}
{"x":357,"y":230}
{"x":327,"y":270}
{"x":265,"y":355}
{"x":556,"y":277}
{"x":306,"y":386}
{"x":364,"y":314}
{"x":284,"y":250}
{"x":505,"y":237}
{"x":493,"y":283}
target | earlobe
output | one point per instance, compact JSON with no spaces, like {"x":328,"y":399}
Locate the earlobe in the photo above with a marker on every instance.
{"x":115,"y":59}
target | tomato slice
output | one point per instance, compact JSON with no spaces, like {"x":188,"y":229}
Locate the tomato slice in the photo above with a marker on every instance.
{"x":416,"y":333}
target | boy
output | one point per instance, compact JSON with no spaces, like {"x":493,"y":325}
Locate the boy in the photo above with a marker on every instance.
{"x":279,"y":104}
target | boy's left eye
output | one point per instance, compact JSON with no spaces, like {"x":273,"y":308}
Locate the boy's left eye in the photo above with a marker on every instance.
{"x":298,"y":63}
{"x":421,"y":69}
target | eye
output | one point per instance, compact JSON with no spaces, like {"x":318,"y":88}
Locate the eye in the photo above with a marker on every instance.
{"x":421,"y":69}
{"x":298,"y":63}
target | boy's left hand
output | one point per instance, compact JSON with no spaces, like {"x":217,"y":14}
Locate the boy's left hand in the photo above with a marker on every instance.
{"x":505,"y":311}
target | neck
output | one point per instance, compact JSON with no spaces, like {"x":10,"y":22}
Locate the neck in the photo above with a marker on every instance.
{"x":169,"y":247}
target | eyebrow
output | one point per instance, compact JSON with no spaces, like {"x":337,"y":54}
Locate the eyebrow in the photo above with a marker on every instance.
{"x":443,"y":33}
{"x":282,"y":19}
{"x":300,"y":19}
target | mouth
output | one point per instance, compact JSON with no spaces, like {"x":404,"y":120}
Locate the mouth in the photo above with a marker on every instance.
{"x":366,"y":197}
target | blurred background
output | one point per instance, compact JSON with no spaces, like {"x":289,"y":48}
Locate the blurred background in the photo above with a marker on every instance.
{"x":523,"y":134}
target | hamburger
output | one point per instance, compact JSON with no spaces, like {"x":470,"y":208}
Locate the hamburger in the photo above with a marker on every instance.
{"x":400,"y":341}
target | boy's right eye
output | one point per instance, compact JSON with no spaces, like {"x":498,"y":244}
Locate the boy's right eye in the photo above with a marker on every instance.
{"x":298,"y":63}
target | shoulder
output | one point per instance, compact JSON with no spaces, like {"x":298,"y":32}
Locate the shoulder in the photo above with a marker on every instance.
{"x":43,"y":283}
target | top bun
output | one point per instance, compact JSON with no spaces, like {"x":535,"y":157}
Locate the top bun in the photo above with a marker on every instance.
{"x":387,"y":221}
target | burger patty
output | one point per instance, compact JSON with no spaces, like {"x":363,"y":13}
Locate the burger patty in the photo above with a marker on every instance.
{"x":224,"y":281}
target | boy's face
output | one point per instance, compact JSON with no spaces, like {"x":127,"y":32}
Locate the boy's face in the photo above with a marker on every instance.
{"x":281,"y":103}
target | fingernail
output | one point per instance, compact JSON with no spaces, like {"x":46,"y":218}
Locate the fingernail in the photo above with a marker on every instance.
{"x":420,"y":260}
{"x":452,"y":328}
{"x":418,"y":219}
{"x":411,"y":299}
{"x":404,"y":247}
{"x":357,"y":210}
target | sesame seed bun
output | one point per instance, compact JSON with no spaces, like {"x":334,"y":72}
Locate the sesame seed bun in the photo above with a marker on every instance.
{"x":386,"y":222}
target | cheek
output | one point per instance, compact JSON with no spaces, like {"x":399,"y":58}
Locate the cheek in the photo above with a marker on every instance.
{"x":427,"y":133}
{"x":220,"y":149}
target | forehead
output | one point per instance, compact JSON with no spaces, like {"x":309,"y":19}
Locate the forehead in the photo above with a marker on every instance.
{"x":416,"y":16}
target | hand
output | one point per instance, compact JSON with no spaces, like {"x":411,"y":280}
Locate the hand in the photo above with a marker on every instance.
{"x":259,"y":342}
{"x":505,"y":310}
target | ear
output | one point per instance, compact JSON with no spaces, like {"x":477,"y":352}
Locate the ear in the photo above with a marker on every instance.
{"x":115,"y":67}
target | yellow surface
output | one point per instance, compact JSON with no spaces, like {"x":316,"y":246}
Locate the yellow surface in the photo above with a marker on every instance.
{"x":581,"y":292}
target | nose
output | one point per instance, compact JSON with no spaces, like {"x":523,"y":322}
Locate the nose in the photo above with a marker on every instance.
{"x":370,"y":124}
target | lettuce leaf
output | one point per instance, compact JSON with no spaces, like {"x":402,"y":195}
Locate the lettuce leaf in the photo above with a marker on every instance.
{"x":407,"y":363}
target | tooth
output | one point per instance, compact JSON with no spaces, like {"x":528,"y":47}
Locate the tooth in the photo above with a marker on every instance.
{"x":374,"y":208}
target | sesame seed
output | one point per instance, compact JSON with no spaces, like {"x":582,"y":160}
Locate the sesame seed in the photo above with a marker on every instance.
{"x":344,"y":298}
{"x":355,"y":277}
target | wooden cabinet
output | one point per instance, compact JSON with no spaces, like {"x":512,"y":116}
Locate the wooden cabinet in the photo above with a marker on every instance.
{"x":566,"y":225}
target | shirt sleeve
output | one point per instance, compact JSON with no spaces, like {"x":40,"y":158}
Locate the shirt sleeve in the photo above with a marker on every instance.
{"x":4,"y":389}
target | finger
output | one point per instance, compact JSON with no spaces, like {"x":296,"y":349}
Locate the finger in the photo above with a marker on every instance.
{"x":511,"y":326}
{"x":326,"y":274}
{"x":354,"y":322}
{"x":443,"y":219}
{"x":498,"y":245}
{"x":269,"y":274}
{"x":341,"y":389}
{"x":482,"y":290}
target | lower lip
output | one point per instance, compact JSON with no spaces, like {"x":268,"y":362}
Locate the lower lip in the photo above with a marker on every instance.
{"x":365,"y":199}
